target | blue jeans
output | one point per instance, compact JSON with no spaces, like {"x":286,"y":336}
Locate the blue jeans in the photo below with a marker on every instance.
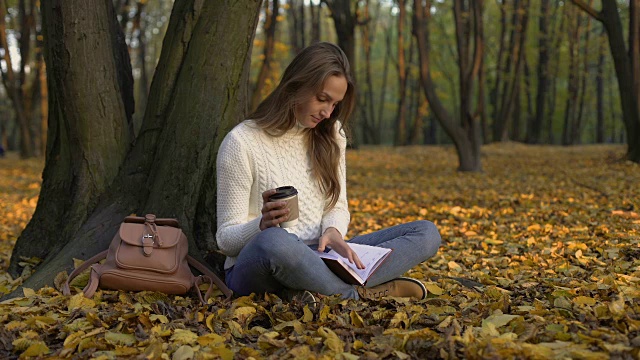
{"x":275,"y":259}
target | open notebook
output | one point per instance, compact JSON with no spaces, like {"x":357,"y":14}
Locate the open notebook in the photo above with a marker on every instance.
{"x":371,"y":256}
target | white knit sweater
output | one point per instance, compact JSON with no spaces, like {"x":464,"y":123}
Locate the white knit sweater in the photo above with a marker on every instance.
{"x":249,"y":162}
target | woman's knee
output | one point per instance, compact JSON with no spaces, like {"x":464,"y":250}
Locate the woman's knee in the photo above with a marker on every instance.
{"x":430,"y":236}
{"x":272,"y":239}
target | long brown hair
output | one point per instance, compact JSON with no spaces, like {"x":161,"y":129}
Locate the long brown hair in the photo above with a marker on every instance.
{"x":303,"y":78}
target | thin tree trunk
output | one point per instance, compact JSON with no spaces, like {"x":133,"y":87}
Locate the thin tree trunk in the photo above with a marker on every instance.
{"x":401,"y":115}
{"x":516,"y":117}
{"x":367,"y":107}
{"x":297,"y":28}
{"x":535,"y":129}
{"x":554,"y":71}
{"x":345,"y":20}
{"x":495,"y":94}
{"x":584,"y":74}
{"x":511,"y":87}
{"x":316,"y":23}
{"x":383,"y":90}
{"x":600,"y":126}
{"x":270,"y":22}
{"x":529,"y":98}
{"x":13,"y":87}
{"x":421,"y":111}
{"x":466,"y":136}
{"x":481,"y":101}
{"x":574,"y":78}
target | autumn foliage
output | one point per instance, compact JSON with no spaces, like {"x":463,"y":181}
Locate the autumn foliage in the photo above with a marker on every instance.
{"x":540,"y":260}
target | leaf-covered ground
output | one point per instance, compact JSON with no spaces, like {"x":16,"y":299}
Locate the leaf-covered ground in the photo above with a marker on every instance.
{"x":549,"y":236}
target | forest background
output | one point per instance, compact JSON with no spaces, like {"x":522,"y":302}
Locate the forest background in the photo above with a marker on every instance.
{"x":540,"y":255}
{"x":547,"y":70}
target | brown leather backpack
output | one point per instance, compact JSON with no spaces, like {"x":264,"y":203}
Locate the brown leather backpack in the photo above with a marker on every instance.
{"x":147,"y":253}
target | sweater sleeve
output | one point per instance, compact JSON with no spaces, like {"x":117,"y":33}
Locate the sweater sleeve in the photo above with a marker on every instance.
{"x":234,"y":180}
{"x":339,"y":216}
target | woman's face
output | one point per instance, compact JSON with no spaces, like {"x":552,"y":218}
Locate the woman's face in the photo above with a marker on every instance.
{"x":319,"y":106}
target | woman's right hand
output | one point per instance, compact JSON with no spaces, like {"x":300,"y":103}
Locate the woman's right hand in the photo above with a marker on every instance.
{"x":274,"y":212}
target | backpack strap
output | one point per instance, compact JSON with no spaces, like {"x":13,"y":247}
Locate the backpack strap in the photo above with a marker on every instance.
{"x":209,"y":276}
{"x":92,"y":285}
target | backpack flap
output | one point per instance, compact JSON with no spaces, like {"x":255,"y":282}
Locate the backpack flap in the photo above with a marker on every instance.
{"x":149,"y":247}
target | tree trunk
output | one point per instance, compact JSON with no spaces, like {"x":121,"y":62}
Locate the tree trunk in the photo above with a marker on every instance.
{"x":494,"y":96}
{"x":316,"y":21}
{"x":367,"y":113}
{"x":529,"y":98}
{"x":514,"y":132}
{"x":296,"y":23}
{"x":421,"y":112}
{"x":383,"y":90}
{"x":626,"y":62}
{"x":87,"y":143}
{"x":574,"y":78}
{"x":143,"y":82}
{"x":584,"y":74}
{"x":44,"y":106}
{"x":554,"y":69}
{"x":345,"y":21}
{"x":270,"y":22}
{"x":466,"y":133}
{"x":535,"y":126}
{"x":14,"y":83}
{"x":401,"y":115}
{"x":511,"y":86}
{"x":481,"y":103}
{"x":600,"y":128}
{"x":171,"y":169}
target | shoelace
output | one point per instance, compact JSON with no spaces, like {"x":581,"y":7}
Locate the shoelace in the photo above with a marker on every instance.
{"x":379,"y":294}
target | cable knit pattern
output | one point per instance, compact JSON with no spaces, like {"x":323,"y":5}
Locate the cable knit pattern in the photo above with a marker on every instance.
{"x":249,"y":162}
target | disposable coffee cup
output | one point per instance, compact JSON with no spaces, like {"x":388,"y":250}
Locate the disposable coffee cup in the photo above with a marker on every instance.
{"x":288,"y":194}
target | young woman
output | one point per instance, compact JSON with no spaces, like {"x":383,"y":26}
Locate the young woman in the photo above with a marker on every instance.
{"x":296,"y":138}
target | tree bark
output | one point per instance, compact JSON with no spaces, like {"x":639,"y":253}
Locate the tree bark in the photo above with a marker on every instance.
{"x":171,"y":169}
{"x":87,"y":143}
{"x":143,"y":83}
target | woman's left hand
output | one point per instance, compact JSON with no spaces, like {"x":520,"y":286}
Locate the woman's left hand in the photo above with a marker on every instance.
{"x":333,"y":239}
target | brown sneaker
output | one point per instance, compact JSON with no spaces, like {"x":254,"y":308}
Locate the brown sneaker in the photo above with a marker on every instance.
{"x":399,"y":287}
